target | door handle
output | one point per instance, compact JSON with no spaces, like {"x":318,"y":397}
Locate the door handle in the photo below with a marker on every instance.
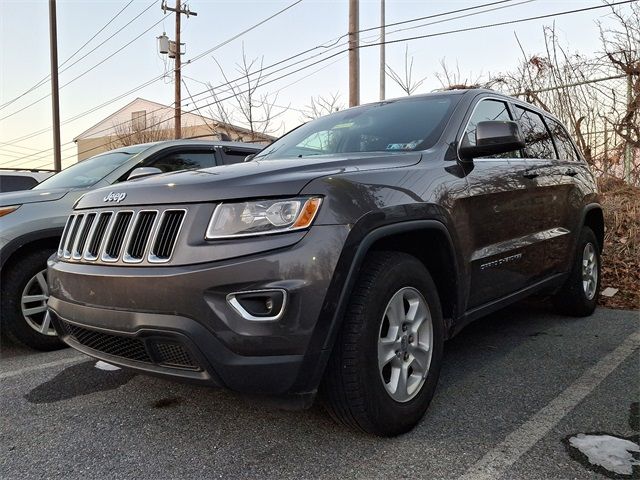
{"x":530,"y":174}
{"x":571,"y":172}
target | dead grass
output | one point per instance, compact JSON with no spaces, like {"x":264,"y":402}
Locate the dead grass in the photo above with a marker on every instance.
{"x":621,"y":256}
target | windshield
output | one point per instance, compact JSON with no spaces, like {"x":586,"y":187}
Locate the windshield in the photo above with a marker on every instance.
{"x":399,"y":125}
{"x":89,"y":172}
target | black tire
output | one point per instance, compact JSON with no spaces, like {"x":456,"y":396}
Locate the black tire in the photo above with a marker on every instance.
{"x":572,"y":299}
{"x":14,"y":280}
{"x":352,"y":388}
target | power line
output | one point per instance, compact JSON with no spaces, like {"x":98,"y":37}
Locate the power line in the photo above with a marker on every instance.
{"x":499,"y":24}
{"x":44,"y":80}
{"x":197,"y":57}
{"x":432,"y":35}
{"x":328,"y":45}
{"x":85,"y":72}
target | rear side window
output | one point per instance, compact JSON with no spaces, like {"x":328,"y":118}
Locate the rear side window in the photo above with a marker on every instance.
{"x":232,"y":155}
{"x":185,"y":160}
{"x":536,"y":136}
{"x":566,"y":150}
{"x":488,"y":110}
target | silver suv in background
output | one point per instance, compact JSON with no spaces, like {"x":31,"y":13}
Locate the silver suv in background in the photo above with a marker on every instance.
{"x":31,"y":222}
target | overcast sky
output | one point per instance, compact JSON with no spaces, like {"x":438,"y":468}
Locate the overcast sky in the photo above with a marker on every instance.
{"x":24,"y":57}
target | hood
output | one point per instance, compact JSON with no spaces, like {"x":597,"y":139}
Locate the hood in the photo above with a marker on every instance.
{"x":32,"y":196}
{"x":255,"y":179}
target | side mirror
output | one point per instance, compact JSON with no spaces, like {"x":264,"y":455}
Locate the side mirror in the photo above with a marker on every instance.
{"x":143,"y":172}
{"x":249,"y":157}
{"x":493,"y":137}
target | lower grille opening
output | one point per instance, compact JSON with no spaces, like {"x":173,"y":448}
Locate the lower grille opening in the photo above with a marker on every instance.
{"x":163,"y":353}
{"x":174,"y":355}
{"x":118,"y":346}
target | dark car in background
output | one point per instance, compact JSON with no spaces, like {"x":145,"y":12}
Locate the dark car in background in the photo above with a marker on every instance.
{"x":31,"y":222}
{"x":340,"y":258}
{"x":14,"y":179}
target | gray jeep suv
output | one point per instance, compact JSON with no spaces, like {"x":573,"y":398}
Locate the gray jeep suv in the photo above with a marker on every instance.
{"x":340,"y":258}
{"x":32,"y":221}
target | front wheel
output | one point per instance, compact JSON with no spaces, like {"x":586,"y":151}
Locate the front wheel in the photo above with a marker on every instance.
{"x":385,"y":365}
{"x":24,"y":303}
{"x":579,"y":295}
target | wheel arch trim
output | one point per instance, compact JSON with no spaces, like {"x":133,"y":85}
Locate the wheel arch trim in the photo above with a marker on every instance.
{"x":24,"y":240}
{"x":323,"y":340}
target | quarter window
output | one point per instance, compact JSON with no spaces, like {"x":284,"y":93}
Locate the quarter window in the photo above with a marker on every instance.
{"x":488,"y":110}
{"x":566,"y":150}
{"x":536,"y":136}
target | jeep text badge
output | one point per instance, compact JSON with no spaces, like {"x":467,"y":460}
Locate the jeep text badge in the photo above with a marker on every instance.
{"x":114,"y":197}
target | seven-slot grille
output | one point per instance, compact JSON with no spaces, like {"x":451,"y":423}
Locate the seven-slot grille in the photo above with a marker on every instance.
{"x":126,"y":235}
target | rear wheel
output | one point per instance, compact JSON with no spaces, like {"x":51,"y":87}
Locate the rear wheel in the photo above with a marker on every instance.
{"x":386,"y":361}
{"x":579,"y":295}
{"x":24,"y":303}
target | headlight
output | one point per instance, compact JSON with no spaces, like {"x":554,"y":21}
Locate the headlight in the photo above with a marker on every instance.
{"x":244,"y":219}
{"x":7,"y":210}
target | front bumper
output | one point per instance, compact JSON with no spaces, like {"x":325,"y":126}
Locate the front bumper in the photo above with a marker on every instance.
{"x":176,"y":320}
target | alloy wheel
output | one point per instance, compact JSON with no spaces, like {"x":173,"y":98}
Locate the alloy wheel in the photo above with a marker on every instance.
{"x":33,"y":303}
{"x":589,"y":271}
{"x":405,"y":344}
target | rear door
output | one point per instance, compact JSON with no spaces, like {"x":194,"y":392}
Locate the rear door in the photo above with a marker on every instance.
{"x":541,"y":176}
{"x":570,"y":177}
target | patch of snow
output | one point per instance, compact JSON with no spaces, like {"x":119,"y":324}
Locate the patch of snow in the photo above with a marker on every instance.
{"x":106,"y":366}
{"x":612,"y":453}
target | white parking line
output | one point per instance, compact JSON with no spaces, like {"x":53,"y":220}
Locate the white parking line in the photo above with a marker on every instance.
{"x":42,"y":366}
{"x":496,"y":462}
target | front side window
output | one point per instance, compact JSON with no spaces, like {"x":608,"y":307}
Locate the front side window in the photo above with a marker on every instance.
{"x":488,"y":110}
{"x":397,"y":125}
{"x":566,"y":150}
{"x":536,"y":136}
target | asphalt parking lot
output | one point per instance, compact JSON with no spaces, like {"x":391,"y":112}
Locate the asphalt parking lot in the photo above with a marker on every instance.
{"x":514,"y":388}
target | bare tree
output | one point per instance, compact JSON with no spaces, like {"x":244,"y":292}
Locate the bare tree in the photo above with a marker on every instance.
{"x":452,"y":79}
{"x":242,"y":101}
{"x":149,"y":128}
{"x":322,"y":105}
{"x":621,"y":46}
{"x":406,"y":81}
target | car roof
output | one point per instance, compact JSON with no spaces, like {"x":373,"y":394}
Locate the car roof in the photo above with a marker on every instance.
{"x":187,"y":142}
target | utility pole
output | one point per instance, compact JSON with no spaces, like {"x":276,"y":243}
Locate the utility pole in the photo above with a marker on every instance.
{"x":177,"y":116}
{"x":382,"y":51}
{"x":55,"y":101}
{"x":354,"y":53}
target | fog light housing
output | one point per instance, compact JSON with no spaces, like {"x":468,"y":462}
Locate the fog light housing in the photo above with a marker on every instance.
{"x":259,"y":305}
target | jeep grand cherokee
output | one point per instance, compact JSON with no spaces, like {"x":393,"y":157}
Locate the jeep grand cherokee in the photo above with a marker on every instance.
{"x":340,"y":258}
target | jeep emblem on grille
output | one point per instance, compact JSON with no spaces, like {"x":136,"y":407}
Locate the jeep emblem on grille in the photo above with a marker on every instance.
{"x":115,"y":197}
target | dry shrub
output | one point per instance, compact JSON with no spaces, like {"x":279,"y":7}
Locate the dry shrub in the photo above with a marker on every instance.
{"x":621,"y":257}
